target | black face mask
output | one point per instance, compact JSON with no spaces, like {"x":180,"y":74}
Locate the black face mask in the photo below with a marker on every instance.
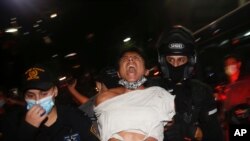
{"x":176,"y":74}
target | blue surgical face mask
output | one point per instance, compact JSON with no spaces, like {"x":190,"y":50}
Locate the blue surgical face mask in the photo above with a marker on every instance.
{"x":46,"y":103}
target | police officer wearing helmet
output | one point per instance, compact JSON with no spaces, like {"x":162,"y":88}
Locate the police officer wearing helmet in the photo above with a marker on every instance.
{"x":196,"y":112}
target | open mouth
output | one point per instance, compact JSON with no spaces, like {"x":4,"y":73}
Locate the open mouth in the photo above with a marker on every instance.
{"x":131,"y":68}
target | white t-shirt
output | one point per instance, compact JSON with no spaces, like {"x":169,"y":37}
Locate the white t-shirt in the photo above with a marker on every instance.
{"x":145,"y":111}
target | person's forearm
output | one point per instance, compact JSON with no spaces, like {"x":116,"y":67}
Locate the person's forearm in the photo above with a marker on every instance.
{"x":78,"y":96}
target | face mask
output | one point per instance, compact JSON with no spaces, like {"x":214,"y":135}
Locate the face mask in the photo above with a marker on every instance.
{"x":47,"y":103}
{"x":231,"y":69}
{"x":132,"y":85}
{"x":176,"y":73}
{"x":2,"y":102}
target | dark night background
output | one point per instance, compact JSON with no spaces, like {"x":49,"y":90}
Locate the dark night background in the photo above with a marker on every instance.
{"x":94,"y":29}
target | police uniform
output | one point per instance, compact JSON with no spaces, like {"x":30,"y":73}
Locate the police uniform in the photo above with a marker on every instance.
{"x":194,"y":102}
{"x":195,"y":107}
{"x":71,"y":125}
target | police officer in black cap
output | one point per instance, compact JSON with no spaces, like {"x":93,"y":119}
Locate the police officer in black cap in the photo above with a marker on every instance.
{"x":45,"y":119}
{"x":196,"y":112}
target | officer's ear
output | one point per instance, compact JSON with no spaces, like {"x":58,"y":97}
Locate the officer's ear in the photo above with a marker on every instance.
{"x":98,"y":85}
{"x":55,"y":91}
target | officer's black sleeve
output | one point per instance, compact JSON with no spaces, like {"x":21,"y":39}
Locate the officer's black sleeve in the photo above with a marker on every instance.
{"x":27,"y":132}
{"x":82,"y":123}
{"x":208,"y":120}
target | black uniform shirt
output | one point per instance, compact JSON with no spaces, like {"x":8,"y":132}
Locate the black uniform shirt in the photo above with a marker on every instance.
{"x":71,"y":125}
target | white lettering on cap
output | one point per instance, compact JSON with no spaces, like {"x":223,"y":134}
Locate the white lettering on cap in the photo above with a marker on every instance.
{"x":176,"y":46}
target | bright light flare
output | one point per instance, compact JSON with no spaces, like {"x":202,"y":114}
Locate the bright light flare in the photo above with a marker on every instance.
{"x":53,"y":15}
{"x":11,"y":30}
{"x":127,"y":39}
{"x":247,"y":34}
{"x":62,"y":78}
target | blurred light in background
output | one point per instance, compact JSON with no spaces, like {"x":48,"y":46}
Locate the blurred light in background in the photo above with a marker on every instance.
{"x":11,"y":30}
{"x":55,"y":55}
{"x":62,"y":78}
{"x":53,"y":15}
{"x":127,"y":39}
{"x":70,"y":55}
{"x":76,"y":66}
{"x":247,"y":33}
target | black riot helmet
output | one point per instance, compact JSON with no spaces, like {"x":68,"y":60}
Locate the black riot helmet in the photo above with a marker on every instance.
{"x":178,"y":41}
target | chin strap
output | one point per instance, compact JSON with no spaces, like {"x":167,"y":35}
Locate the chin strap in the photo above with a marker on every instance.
{"x":132,"y":85}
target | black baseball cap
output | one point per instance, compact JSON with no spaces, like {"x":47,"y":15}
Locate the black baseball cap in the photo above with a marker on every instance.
{"x":38,"y":77}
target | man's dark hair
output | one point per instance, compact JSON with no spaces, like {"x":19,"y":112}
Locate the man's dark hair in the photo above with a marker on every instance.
{"x":108,"y":76}
{"x":137,"y":50}
{"x":235,"y":56}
